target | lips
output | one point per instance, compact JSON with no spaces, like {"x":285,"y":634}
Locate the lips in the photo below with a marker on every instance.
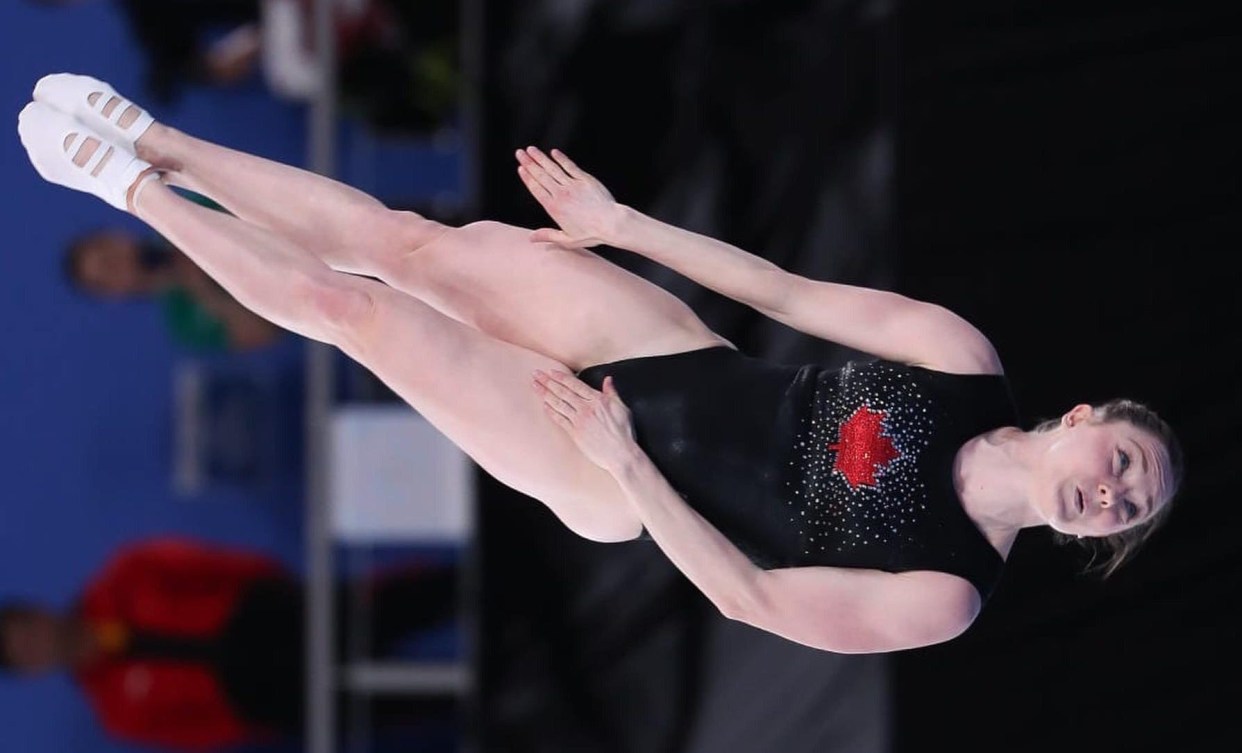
{"x":1078,"y":501}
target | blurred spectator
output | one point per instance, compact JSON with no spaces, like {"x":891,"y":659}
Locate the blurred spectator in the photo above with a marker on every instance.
{"x":193,"y":647}
{"x":398,"y":60}
{"x":115,"y":263}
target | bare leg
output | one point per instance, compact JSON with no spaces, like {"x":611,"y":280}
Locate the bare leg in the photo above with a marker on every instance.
{"x":572,"y":306}
{"x":346,"y":228}
{"x":473,"y":388}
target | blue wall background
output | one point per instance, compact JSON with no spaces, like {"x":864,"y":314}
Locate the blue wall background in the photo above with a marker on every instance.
{"x":86,"y":389}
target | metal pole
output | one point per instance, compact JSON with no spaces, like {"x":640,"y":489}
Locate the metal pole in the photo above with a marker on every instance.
{"x":472,"y":59}
{"x":321,"y":723}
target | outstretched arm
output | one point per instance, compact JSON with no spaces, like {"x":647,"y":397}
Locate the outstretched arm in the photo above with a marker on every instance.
{"x":879,"y":322}
{"x":844,"y":610}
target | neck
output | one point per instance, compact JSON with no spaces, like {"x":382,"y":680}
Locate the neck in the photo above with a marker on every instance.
{"x":989,"y":474}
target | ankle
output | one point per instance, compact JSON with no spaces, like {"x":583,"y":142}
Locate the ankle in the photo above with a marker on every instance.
{"x":150,"y":175}
{"x":156,"y":146}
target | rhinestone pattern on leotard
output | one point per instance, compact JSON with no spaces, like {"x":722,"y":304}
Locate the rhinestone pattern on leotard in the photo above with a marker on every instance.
{"x":856,"y":458}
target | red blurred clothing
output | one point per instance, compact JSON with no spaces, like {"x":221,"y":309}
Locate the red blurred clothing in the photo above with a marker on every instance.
{"x":181,"y":591}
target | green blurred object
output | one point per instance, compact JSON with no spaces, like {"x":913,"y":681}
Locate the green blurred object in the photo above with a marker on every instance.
{"x":190,"y":324}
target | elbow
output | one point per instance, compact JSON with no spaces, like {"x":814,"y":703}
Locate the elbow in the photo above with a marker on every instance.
{"x":779,"y":291}
{"x":745,"y":602}
{"x":879,"y":641}
{"x":733,"y":608}
{"x":729,"y":611}
{"x":942,"y":628}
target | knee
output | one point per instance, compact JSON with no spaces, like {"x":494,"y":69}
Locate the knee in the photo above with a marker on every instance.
{"x":340,"y":307}
{"x":410,"y":230}
{"x":609,"y":532}
{"x":602,"y":524}
{"x":403,"y":235}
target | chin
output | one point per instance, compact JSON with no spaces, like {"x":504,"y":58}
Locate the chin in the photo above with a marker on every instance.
{"x":1067,"y":526}
{"x":1058,"y":522}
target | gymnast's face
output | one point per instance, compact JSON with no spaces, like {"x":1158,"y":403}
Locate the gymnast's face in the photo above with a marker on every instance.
{"x":1099,"y":478}
{"x":108,"y":265}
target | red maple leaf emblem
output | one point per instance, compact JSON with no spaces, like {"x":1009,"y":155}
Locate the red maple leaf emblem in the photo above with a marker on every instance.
{"x":861,"y":449}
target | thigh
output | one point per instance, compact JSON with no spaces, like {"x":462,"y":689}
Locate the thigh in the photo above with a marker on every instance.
{"x":477,"y":391}
{"x":571,"y":305}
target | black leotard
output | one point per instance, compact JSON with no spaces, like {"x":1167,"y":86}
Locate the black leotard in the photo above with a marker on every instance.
{"x":803,"y":465}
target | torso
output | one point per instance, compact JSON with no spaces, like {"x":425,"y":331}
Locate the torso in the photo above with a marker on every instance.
{"x":871,"y":468}
{"x":805,"y":465}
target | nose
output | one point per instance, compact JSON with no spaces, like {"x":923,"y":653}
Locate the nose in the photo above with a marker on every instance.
{"x":1106,"y":496}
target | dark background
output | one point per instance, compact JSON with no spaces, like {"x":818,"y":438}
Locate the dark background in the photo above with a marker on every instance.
{"x":1062,"y":174}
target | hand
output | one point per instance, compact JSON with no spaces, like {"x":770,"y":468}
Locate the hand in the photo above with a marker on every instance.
{"x":598,"y":422}
{"x":586,"y":212}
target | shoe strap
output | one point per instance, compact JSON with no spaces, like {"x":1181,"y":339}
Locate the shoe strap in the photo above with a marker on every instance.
{"x":122,"y":107}
{"x":75,"y":146}
{"x":101,"y":153}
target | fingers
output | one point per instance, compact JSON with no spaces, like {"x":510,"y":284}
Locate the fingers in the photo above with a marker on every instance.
{"x":554,"y":170}
{"x":566,"y":386}
{"x":555,"y":401}
{"x":564,"y":422}
{"x":537,"y":189}
{"x":534,"y":158}
{"x":560,"y":410}
{"x":568,"y":165}
{"x":537,"y":181}
{"x":559,"y":404}
{"x":565,"y":399}
{"x":556,"y":237}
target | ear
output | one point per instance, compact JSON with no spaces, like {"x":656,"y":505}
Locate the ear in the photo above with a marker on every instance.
{"x":1077,"y":414}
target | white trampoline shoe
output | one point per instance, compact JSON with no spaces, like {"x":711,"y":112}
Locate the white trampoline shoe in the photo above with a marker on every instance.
{"x":96,"y":104}
{"x":66,"y":152}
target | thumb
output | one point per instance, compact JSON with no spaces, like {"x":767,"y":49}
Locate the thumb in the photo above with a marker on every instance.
{"x":550,"y":235}
{"x":609,"y":387}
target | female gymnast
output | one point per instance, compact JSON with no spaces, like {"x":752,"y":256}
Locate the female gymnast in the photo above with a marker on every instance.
{"x":863,"y":509}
